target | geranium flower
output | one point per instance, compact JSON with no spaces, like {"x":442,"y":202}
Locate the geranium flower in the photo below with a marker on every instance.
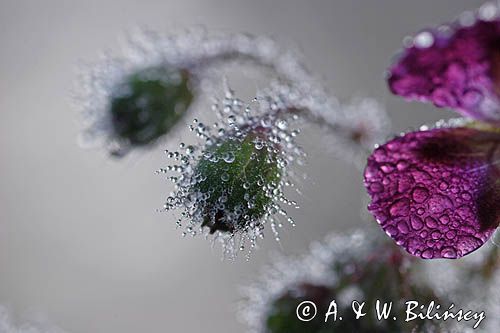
{"x":436,"y":192}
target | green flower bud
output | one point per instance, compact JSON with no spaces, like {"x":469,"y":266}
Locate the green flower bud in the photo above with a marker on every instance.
{"x":232,"y":183}
{"x":236,"y":182}
{"x":148,"y":103}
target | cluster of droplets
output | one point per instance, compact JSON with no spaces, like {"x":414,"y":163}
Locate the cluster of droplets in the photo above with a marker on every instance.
{"x":9,"y":325}
{"x":232,"y":183}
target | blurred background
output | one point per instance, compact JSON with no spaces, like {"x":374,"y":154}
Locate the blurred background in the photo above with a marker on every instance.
{"x":80,"y":240}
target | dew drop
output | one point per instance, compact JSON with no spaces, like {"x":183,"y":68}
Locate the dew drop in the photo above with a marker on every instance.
{"x":403,"y":227}
{"x":423,"y":40}
{"x":439,"y":203}
{"x":449,"y":253}
{"x":420,"y":194}
{"x":443,"y":186}
{"x":391,"y":231}
{"x":444,"y":219}
{"x":376,"y":187}
{"x":229,"y":157}
{"x":430,"y":222}
{"x":451,"y":234}
{"x":400,"y":208}
{"x":416,"y":222}
{"x":387,"y":167}
{"x":428,"y":254}
{"x":402,"y":165}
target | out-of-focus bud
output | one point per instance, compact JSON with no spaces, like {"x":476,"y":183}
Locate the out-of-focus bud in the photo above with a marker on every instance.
{"x":343,"y":269}
{"x":148,"y":103}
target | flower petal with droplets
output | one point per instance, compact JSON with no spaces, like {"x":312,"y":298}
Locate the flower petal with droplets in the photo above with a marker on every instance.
{"x":436,"y":192}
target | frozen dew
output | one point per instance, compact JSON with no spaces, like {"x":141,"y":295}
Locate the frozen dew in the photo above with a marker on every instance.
{"x":231,"y":184}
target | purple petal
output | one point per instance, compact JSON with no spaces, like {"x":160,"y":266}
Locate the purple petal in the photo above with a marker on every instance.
{"x":457,"y":67}
{"x":437,"y":192}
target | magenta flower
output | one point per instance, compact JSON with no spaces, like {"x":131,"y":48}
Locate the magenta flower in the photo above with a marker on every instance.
{"x":437,"y":192}
{"x":455,"y":66}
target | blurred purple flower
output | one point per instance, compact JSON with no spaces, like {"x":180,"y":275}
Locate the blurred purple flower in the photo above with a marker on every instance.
{"x":455,"y":66}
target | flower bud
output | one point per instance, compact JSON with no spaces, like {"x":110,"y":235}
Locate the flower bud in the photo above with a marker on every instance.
{"x":148,"y":103}
{"x":232,"y":184}
{"x":237,"y":179}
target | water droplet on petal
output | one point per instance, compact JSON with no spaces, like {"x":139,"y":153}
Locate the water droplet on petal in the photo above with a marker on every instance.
{"x":400,"y":208}
{"x":449,"y":253}
{"x":420,"y":194}
{"x":416,"y":222}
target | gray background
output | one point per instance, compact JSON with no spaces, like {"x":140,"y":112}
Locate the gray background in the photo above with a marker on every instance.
{"x":79,"y":236}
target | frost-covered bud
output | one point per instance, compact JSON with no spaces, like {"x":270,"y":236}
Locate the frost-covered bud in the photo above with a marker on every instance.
{"x":233,"y":183}
{"x":343,"y":269}
{"x":148,"y":103}
{"x":237,"y":178}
